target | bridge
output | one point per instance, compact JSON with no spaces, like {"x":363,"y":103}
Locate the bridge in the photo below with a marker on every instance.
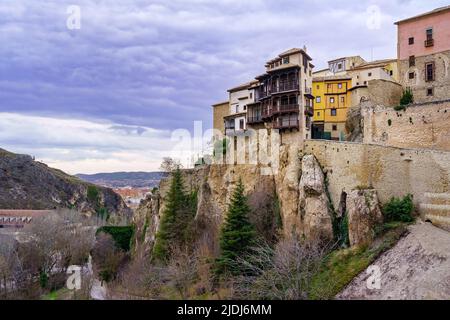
{"x":20,"y":218}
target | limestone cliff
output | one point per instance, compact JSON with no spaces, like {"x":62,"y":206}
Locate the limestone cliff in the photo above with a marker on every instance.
{"x":294,"y":196}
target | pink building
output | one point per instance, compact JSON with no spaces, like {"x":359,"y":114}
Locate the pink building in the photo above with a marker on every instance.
{"x":424,"y":54}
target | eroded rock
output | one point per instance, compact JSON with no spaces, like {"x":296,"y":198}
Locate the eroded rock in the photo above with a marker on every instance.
{"x":364,"y":215}
{"x":314,"y":205}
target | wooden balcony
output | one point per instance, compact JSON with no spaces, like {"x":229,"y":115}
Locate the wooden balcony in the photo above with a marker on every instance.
{"x":255,"y":119}
{"x":285,"y":86}
{"x":285,"y":108}
{"x":429,"y":43}
{"x":308,"y":93}
{"x":285,"y":124}
{"x":309,"y":111}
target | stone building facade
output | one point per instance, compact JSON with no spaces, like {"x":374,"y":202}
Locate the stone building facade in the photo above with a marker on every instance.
{"x":424,"y":54}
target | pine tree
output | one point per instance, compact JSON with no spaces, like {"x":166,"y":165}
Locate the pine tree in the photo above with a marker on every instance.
{"x":170,"y":230}
{"x":237,"y":234}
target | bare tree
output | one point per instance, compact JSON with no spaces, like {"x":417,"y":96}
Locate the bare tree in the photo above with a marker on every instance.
{"x":169,"y":164}
{"x":107,"y":257}
{"x":284,"y":272}
{"x":182,"y":270}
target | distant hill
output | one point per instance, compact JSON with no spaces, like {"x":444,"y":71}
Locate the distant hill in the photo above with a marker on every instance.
{"x":29,"y":184}
{"x":125,"y":179}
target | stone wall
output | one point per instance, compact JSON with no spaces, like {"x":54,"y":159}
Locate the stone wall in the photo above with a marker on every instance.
{"x":382,"y":92}
{"x":419,"y":85}
{"x":391,"y":171}
{"x":419,"y":126}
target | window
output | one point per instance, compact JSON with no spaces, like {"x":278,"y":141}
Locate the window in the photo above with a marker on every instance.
{"x":339,"y":66}
{"x":411,"y":75}
{"x":357,"y":83}
{"x":251,"y":95}
{"x":318,"y":99}
{"x":328,"y":87}
{"x":391,"y":73}
{"x":237,"y":108}
{"x":241,"y":124}
{"x":411,"y":40}
{"x":331,"y":100}
{"x":365,"y":82}
{"x":318,"y":87}
{"x":333,"y":112}
{"x":369,"y":74}
{"x":429,"y":91}
{"x":318,"y":113}
{"x":334,"y":127}
{"x":429,"y":71}
{"x":412,"y":61}
{"x":245,"y":107}
{"x":340,"y":85}
{"x":429,"y":33}
{"x":285,"y":60}
{"x":342,"y":99}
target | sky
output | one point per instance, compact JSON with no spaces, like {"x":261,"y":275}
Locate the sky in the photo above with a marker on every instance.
{"x":108,"y":85}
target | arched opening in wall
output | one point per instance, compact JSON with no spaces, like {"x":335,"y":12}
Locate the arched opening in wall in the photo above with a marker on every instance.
{"x":428,"y":221}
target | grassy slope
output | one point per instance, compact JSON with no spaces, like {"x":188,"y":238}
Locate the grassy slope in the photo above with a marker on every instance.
{"x":341,"y":266}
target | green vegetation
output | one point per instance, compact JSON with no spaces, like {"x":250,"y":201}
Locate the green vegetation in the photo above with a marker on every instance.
{"x":237,"y":234}
{"x":93,"y":194}
{"x":406,"y":99}
{"x":122,"y":235}
{"x":399,"y":209}
{"x":176,"y":220}
{"x":341,"y":266}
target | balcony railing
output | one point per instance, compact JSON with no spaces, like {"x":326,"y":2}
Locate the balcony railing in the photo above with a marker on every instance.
{"x":309,"y":111}
{"x":285,"y":108}
{"x":285,"y":124}
{"x":285,"y":86}
{"x":255,"y":119}
{"x":429,"y":42}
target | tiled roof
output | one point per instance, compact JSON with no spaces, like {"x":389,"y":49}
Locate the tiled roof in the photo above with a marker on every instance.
{"x":437,"y":10}
{"x":243,"y":86}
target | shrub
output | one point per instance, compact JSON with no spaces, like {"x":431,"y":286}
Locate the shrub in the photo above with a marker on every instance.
{"x":399,"y":209}
{"x":92,"y":194}
{"x":122,"y":235}
{"x":407,"y":98}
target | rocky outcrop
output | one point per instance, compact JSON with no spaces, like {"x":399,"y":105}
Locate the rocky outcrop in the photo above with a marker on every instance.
{"x":314,"y":205}
{"x":416,"y":268}
{"x":354,"y":124}
{"x":28,"y":184}
{"x":146,"y":220}
{"x":293,"y":198}
{"x":364,"y":215}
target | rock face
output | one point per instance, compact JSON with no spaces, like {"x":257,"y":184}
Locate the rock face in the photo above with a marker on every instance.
{"x":354,"y":124}
{"x":293,"y":198}
{"x":314,"y":205}
{"x":28,"y":184}
{"x":146,"y":220}
{"x":363,"y":215}
{"x":416,"y":268}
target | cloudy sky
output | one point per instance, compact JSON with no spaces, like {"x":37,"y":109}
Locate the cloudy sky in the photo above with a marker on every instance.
{"x":108,"y":96}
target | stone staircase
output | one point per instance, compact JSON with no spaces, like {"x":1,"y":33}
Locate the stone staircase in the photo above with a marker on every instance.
{"x":436,"y":209}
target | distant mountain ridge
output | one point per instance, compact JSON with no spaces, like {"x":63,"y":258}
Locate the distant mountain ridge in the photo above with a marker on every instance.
{"x":138,"y":179}
{"x":29,"y":184}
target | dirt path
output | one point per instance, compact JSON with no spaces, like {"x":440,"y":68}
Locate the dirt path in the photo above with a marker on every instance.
{"x":417,"y":267}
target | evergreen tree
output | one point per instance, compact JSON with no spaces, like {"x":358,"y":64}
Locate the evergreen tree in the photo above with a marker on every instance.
{"x":174,"y":218}
{"x":237,"y":234}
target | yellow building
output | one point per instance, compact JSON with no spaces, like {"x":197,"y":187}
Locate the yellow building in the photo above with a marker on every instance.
{"x":332,"y":100}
